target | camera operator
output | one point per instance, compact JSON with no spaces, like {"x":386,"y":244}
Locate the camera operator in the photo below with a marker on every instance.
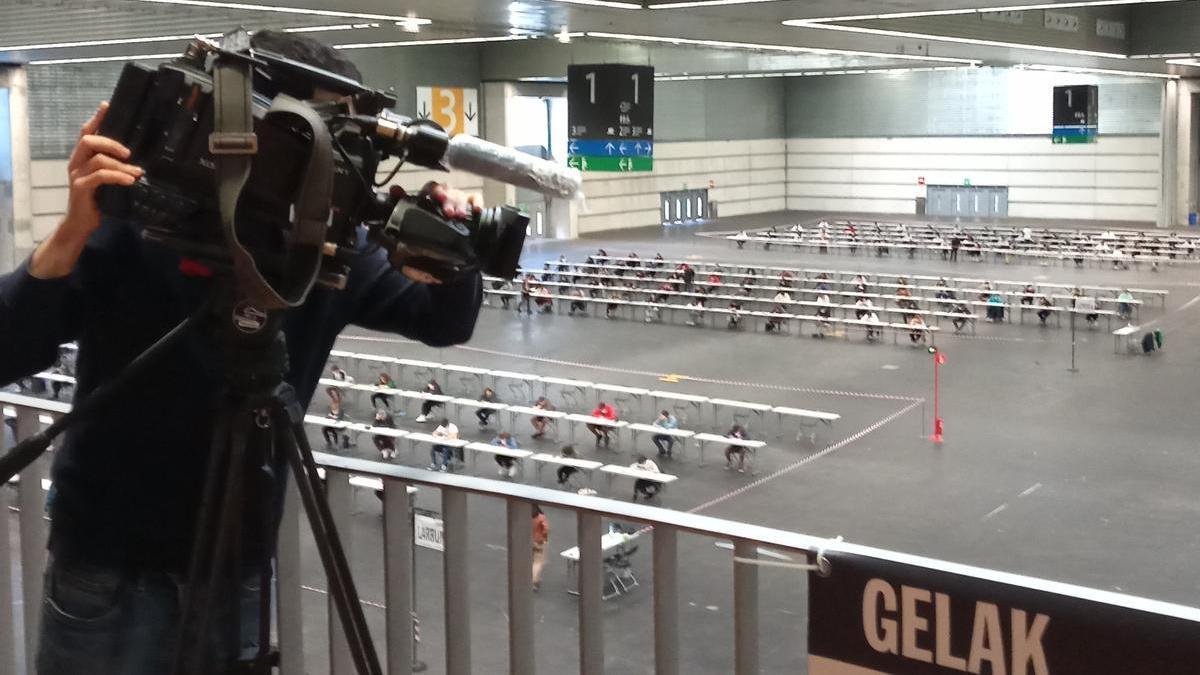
{"x":128,"y":482}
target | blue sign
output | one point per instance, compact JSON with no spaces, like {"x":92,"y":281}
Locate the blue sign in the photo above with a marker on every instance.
{"x":613,"y":148}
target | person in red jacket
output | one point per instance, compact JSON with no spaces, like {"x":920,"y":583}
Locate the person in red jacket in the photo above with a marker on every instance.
{"x":602,"y":433}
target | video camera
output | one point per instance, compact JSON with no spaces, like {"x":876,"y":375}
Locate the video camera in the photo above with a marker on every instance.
{"x":282,"y":196}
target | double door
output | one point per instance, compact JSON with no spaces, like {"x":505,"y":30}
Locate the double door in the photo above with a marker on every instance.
{"x":966,"y":201}
{"x":682,"y":206}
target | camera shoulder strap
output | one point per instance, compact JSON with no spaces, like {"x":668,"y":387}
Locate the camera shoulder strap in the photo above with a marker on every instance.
{"x":234,"y":145}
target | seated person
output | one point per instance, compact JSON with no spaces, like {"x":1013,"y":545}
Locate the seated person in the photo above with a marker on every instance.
{"x":782,"y":296}
{"x":340,"y":375}
{"x":648,"y":489}
{"x":485,"y":414}
{"x":541,"y":298}
{"x":508,"y":465}
{"x":601,"y":432}
{"x":337,"y":413}
{"x":576,"y":305}
{"x":694,"y":308}
{"x":540,"y":423}
{"x":565,"y":472}
{"x":776,"y":323}
{"x":917,"y":323}
{"x":664,"y":443}
{"x":873,"y":332}
{"x":1043,"y":314}
{"x":736,"y":451}
{"x":1086,"y":305}
{"x":1027,"y":294}
{"x":1125,"y":304}
{"x":658,"y":261}
{"x":431,"y":387}
{"x":441,"y":456}
{"x":386,"y":445}
{"x":960,"y":321}
{"x":862,"y":307}
{"x":735,"y":314}
{"x":501,"y":285}
{"x":380,"y":399}
{"x":741,"y":238}
{"x":995,"y":308}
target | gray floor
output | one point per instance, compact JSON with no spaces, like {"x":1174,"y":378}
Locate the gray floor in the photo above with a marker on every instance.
{"x":1087,"y":477}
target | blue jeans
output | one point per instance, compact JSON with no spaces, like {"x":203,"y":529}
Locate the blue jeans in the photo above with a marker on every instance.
{"x":98,"y":619}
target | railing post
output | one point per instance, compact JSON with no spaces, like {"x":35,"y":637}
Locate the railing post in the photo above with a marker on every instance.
{"x":398,"y":576}
{"x":520,"y":588}
{"x":8,"y":620}
{"x":31,"y":499}
{"x":591,"y":595}
{"x":666,"y":601}
{"x":337,"y":490}
{"x":745,"y":608}
{"x":289,"y":609}
{"x":456,"y":582}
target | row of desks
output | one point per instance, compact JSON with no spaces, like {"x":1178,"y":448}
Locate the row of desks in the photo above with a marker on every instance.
{"x":526,"y":385}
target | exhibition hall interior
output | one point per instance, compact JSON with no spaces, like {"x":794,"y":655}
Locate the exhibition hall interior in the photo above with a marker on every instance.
{"x":839,"y":337}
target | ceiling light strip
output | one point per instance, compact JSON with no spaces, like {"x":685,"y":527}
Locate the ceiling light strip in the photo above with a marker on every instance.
{"x":952,"y":12}
{"x":1096,"y":71}
{"x":278,"y":9}
{"x":723,"y":44}
{"x":104,"y":59}
{"x":803,"y":23}
{"x":612,"y":4}
{"x":426,"y":43}
{"x":170,"y":38}
{"x":810,"y":73}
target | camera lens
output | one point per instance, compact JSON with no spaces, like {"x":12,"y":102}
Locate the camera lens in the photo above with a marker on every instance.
{"x":498,"y":237}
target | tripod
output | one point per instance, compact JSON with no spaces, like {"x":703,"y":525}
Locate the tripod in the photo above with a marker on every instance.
{"x":258,"y":435}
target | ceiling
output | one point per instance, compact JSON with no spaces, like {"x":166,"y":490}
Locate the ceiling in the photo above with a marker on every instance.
{"x":989,"y":38}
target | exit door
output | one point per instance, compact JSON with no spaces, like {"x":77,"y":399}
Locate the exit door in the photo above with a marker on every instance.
{"x":684,"y":206}
{"x":966,"y":201}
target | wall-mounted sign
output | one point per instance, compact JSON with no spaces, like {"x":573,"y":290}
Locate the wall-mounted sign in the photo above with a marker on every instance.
{"x":456,"y":109}
{"x":610,"y":117}
{"x":1076,"y":114}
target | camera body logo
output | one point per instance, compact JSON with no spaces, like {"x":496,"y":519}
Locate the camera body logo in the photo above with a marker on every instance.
{"x":248,"y":318}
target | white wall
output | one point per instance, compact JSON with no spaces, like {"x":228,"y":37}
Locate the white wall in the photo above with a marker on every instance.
{"x":50,"y":188}
{"x":749,"y":177}
{"x":1117,"y":178}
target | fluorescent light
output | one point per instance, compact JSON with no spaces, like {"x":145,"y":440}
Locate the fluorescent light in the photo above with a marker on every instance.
{"x":723,"y":44}
{"x":603,"y":3}
{"x":102,"y":59}
{"x":424,"y":43}
{"x":804,"y":23}
{"x":1096,"y":71}
{"x":952,"y":12}
{"x":1184,"y":62}
{"x":171,"y":38}
{"x":251,"y":7}
{"x":811,"y":73}
{"x":705,"y":3}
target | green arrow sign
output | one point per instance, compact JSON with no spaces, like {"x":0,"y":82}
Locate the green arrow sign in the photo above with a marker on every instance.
{"x":590,"y":163}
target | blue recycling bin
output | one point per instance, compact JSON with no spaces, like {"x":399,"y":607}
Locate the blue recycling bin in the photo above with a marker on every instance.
{"x":1193,"y":219}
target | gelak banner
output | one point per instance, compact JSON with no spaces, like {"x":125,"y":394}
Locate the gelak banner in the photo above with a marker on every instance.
{"x":898,"y":614}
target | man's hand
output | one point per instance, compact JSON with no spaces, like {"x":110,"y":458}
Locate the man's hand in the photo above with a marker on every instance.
{"x":95,"y":161}
{"x":456,"y":205}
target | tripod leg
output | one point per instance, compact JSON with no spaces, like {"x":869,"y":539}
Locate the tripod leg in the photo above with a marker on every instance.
{"x":207,"y":520}
{"x":225,"y":563}
{"x":293,"y":441}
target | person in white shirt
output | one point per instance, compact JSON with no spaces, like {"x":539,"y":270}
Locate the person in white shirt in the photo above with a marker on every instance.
{"x":783,"y":296}
{"x":648,"y":489}
{"x":441,"y":455}
{"x":695,"y":307}
{"x":872,"y":332}
{"x":340,"y":375}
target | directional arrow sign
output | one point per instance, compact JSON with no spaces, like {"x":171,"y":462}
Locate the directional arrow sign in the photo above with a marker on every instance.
{"x":609,"y":147}
{"x":572,"y":148}
{"x":621,"y":148}
{"x":603,"y":163}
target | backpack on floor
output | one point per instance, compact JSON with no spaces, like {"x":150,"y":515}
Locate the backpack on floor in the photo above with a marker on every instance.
{"x":1148,"y":343}
{"x":1158,"y":338}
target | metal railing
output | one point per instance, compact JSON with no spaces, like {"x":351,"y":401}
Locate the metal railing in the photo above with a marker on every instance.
{"x":31,"y":413}
{"x":747,"y":541}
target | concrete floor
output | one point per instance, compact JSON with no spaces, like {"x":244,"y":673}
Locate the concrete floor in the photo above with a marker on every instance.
{"x":1086,"y":477}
